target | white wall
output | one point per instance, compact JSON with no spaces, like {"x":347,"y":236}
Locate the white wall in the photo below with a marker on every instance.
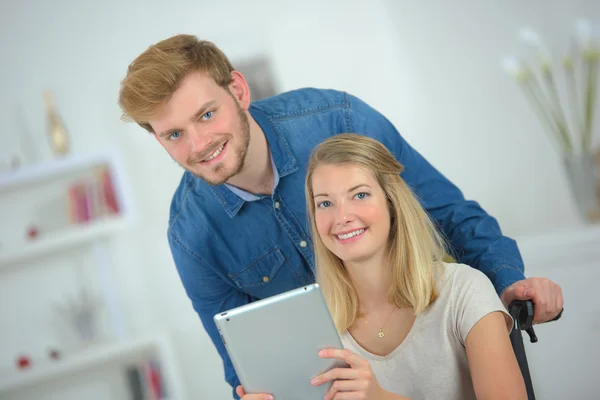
{"x":564,"y":363}
{"x":470,"y":118}
{"x":432,"y":67}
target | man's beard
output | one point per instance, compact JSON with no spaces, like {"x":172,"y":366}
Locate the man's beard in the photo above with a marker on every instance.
{"x":240,"y":155}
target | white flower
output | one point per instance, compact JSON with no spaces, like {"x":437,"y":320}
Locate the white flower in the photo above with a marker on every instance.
{"x":584,"y":33}
{"x":587,"y":37}
{"x":533,"y":41}
{"x":516,"y":67}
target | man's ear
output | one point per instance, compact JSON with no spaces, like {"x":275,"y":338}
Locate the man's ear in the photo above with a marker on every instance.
{"x":239,"y":89}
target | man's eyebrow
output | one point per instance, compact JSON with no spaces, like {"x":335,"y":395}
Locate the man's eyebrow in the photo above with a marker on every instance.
{"x":201,"y":111}
{"x":353,"y":188}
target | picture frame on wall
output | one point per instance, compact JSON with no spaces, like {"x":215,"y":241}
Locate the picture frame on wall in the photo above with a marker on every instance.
{"x":259,"y":74}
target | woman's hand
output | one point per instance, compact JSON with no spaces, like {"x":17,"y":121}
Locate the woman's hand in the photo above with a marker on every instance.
{"x":357,"y":382}
{"x":259,"y":396}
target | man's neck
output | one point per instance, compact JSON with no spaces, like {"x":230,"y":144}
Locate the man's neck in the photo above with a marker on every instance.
{"x":372,"y":280}
{"x":257,"y":176}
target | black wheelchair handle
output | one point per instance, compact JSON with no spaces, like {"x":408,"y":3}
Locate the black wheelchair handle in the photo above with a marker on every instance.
{"x":522,"y":312}
{"x":558,"y":316}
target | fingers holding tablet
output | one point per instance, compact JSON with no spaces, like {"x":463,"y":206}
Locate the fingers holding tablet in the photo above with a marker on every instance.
{"x":358,"y":379}
{"x":255,"y":396}
{"x":345,"y":355}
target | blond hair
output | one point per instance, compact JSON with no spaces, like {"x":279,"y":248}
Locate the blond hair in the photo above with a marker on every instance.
{"x":155,"y":75}
{"x":415,"y":248}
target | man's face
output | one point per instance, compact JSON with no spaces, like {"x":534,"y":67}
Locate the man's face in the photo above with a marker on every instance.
{"x":204,"y":129}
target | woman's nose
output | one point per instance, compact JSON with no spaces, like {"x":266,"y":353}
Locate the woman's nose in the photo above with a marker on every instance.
{"x":344,"y":214}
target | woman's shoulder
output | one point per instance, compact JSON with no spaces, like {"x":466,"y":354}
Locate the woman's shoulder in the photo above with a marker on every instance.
{"x":470,"y":295}
{"x":453,"y":278}
{"x":461,"y":271}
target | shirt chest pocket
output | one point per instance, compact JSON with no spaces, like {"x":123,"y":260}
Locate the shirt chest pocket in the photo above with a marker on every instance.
{"x":268,"y":275}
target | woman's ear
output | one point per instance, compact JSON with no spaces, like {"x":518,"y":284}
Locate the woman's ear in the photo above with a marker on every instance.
{"x":239,"y":89}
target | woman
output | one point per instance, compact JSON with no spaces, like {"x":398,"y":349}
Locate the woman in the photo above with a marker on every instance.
{"x":412,"y":326}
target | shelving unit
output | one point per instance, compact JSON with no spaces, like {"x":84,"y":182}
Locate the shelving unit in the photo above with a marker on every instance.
{"x":92,"y":235}
{"x":110,"y":354}
{"x":69,"y":238}
{"x":42,"y":172}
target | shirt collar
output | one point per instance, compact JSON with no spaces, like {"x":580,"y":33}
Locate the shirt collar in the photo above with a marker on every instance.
{"x":247,"y":196}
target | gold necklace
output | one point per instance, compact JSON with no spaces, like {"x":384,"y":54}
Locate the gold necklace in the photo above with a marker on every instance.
{"x":381,"y":333}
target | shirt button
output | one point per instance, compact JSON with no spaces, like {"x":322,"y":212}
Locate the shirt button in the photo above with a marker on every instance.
{"x":303,"y":244}
{"x":276,"y":204}
{"x":266,"y":279}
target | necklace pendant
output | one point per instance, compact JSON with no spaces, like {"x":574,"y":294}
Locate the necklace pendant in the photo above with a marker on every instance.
{"x":381,"y":334}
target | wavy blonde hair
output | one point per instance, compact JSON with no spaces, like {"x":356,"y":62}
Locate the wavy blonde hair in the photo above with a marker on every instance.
{"x":415,"y":248}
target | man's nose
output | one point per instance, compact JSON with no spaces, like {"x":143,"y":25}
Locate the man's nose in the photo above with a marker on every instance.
{"x":199,"y":141}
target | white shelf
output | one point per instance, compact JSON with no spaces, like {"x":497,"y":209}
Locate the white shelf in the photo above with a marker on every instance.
{"x":72,"y":237}
{"x":121,"y":353}
{"x":44,"y":171}
{"x":561,"y":237}
{"x":558,"y":247}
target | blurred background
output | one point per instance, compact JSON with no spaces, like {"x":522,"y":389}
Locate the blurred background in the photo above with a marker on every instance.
{"x":90,"y":301}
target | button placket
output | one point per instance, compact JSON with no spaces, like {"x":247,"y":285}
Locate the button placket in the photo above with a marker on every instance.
{"x":281,"y":213}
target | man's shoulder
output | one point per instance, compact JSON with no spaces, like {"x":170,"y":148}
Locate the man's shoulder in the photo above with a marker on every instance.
{"x":180,"y":194}
{"x":295,"y":103}
{"x":358,"y":116}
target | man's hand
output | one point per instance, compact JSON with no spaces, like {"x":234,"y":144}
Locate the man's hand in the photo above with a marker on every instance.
{"x":546,"y":295}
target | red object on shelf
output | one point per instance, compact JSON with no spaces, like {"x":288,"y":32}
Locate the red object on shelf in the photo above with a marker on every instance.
{"x":23,"y":362}
{"x":32,"y":232}
{"x":110,"y":197}
{"x":79,"y":203}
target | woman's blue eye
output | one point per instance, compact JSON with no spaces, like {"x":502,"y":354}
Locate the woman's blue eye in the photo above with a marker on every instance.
{"x":208,"y":115}
{"x":362,"y":195}
{"x":324,"y":204}
{"x":174,"y":135}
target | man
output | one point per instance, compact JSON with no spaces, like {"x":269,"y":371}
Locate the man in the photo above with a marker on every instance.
{"x":238,"y":228}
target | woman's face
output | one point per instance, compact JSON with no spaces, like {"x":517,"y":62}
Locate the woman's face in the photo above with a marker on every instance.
{"x":351,"y":211}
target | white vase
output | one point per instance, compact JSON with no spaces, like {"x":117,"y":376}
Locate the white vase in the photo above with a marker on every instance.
{"x":583,"y":174}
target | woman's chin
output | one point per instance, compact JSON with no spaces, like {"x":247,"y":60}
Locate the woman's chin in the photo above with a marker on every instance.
{"x":354,"y":258}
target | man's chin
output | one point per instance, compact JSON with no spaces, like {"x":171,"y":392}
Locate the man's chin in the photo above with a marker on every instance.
{"x":213,"y":178}
{"x":217,"y":175}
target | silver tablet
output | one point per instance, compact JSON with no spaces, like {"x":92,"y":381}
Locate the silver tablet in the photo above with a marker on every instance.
{"x":273,"y":343}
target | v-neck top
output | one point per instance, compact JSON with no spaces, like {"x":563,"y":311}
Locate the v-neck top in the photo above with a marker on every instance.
{"x":431,"y":362}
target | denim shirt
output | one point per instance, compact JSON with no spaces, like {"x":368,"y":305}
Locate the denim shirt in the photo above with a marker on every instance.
{"x":231,"y":248}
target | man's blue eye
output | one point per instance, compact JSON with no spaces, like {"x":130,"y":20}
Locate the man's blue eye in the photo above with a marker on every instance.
{"x":208,"y":115}
{"x":174,"y":135}
{"x":324,"y":204}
